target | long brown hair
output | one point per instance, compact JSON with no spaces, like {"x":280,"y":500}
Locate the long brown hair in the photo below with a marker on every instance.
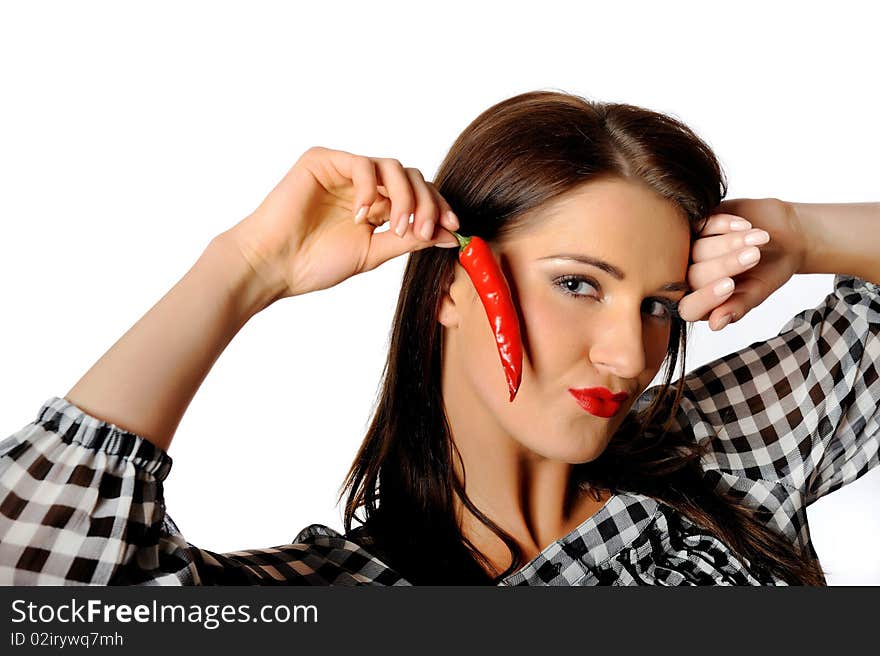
{"x":514,"y":157}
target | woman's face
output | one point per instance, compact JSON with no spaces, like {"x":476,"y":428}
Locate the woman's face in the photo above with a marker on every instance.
{"x":582,"y":325}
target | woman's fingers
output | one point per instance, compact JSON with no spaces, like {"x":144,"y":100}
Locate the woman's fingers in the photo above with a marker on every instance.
{"x":363,"y":176}
{"x":719,"y":224}
{"x":708,"y":248}
{"x":386,"y":191}
{"x":697,"y":305}
{"x":726,"y":247}
{"x":722,"y":302}
{"x":393,"y":177}
{"x":700,"y":274}
{"x":368,"y":202}
{"x":447,"y":217}
{"x":750,"y":293}
{"x":431,"y":208}
{"x":427,"y":213}
{"x":411,"y":195}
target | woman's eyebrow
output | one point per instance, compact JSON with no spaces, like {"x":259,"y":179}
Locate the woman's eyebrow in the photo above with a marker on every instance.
{"x":616,"y":272}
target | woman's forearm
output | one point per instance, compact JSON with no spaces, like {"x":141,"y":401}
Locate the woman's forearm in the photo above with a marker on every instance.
{"x":147,"y":379}
{"x":841,"y":238}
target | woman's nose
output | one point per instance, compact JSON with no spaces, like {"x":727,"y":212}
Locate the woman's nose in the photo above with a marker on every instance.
{"x":619,"y":346}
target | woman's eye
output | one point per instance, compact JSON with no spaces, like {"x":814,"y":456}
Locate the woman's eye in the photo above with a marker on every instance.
{"x":578,"y":286}
{"x":666,"y":310}
{"x":571,"y":284}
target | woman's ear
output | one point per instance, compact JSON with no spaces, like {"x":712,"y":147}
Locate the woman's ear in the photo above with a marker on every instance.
{"x":450,"y":303}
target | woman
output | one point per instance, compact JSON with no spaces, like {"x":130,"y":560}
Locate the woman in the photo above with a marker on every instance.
{"x":601,"y":217}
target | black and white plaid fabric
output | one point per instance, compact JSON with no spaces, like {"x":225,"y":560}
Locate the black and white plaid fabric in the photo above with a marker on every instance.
{"x":790,"y":419}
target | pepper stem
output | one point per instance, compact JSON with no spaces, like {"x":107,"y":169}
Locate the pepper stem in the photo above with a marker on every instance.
{"x":462,"y":240}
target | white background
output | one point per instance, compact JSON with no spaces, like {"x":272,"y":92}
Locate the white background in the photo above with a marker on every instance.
{"x":132,"y":133}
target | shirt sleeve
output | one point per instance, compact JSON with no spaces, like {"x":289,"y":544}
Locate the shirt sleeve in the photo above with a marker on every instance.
{"x":800,"y":408}
{"x":81,"y":503}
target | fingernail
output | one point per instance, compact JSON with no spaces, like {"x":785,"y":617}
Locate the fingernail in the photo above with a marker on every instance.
{"x":749,"y":256}
{"x":724,"y":321}
{"x":446,"y":245}
{"x":739,"y":224}
{"x":452,"y":220}
{"x":757,"y":237}
{"x":361,"y":213}
{"x":402,"y":224}
{"x":724,"y":287}
{"x":427,"y":231}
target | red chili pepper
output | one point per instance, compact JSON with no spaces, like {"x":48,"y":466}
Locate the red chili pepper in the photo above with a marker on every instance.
{"x":478,"y":260}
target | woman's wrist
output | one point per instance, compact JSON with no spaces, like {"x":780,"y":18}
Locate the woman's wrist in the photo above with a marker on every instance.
{"x":250,"y":290}
{"x":840,"y":238}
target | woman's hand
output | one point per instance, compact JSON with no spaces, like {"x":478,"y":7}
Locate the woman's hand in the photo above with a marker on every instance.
{"x":308,"y":234}
{"x":769,"y":230}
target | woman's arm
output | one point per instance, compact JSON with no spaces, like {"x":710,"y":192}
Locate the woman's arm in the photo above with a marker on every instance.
{"x":841,"y":238}
{"x":147,"y":379}
{"x":306,"y":235}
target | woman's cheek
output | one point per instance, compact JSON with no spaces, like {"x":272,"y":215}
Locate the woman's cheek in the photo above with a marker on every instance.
{"x":546,"y":332}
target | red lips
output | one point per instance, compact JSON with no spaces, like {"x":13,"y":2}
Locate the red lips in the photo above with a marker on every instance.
{"x":599,"y":401}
